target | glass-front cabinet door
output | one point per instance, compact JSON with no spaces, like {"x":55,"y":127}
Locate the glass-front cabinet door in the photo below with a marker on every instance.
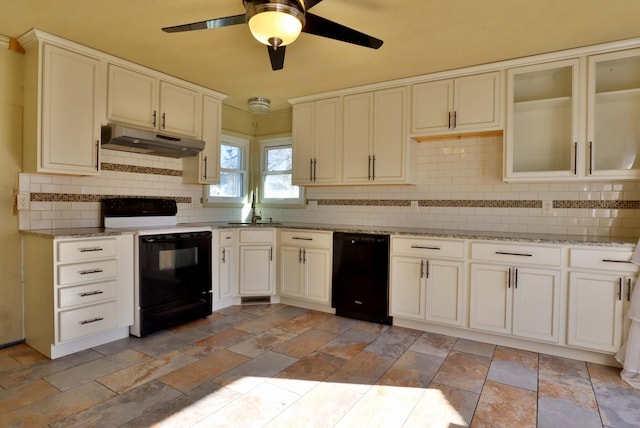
{"x":613,"y":115}
{"x":542,"y":131}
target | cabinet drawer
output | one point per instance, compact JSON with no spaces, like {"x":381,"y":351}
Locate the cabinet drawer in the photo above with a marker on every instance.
{"x":516,"y":254}
{"x":602,"y":259}
{"x":256,"y":236}
{"x":226,"y":237}
{"x":427,"y":247}
{"x":306,"y":239}
{"x":85,"y":321}
{"x":87,"y":272}
{"x":86,"y":249}
{"x":86,"y":294}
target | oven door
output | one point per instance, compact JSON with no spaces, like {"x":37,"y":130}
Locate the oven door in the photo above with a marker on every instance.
{"x":175,"y":279}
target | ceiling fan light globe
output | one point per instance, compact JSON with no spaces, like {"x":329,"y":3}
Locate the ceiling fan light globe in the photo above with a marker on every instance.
{"x":275,"y":21}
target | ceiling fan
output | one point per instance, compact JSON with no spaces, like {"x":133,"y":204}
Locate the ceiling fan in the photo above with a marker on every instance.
{"x":278,"y":23}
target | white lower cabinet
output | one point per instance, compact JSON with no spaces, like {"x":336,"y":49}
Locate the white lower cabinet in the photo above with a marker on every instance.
{"x":600,"y":288}
{"x":256,"y":262}
{"x":78,"y":292}
{"x":305,"y":265}
{"x":516,"y":299}
{"x":424,"y":285}
{"x":225,"y":283}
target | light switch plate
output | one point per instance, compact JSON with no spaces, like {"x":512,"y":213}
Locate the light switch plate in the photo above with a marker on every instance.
{"x":547,"y":207}
{"x":312,"y":205}
{"x":23,"y":201}
{"x":414,"y":206}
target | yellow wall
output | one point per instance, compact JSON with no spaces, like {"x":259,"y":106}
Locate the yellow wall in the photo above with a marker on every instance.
{"x":11,"y":155}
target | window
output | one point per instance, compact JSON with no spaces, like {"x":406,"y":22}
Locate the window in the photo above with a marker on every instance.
{"x":277,"y":163}
{"x":234,"y":154}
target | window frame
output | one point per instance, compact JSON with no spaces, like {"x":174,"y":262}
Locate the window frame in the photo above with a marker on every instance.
{"x":223,"y":201}
{"x":265,"y":145}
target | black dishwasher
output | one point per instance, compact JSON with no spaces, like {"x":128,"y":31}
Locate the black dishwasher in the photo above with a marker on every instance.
{"x":360,"y":285}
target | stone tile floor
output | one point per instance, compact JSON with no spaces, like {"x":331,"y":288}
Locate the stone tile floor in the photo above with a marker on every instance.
{"x":281,"y":366}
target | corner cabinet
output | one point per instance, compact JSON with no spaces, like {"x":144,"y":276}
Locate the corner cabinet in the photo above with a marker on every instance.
{"x":63,"y":106}
{"x":376,"y":147}
{"x":148,"y":102}
{"x":81,"y":293}
{"x":427,"y":279}
{"x":454,"y":106}
{"x":305,"y":265}
{"x":256,"y":252}
{"x":317,"y":142}
{"x":205,"y":168}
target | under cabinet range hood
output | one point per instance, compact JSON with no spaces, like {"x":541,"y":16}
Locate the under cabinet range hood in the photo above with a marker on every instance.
{"x":119,"y":137}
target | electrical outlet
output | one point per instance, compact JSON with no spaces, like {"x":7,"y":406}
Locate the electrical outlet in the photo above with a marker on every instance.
{"x":547,"y":207}
{"x":312,"y":205}
{"x":23,"y":201}
{"x":414,"y":206}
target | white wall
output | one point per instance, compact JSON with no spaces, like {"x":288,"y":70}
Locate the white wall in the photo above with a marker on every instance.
{"x":453,"y":172}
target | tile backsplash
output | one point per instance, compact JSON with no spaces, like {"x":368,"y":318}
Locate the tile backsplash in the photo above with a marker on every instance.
{"x":459,"y":187}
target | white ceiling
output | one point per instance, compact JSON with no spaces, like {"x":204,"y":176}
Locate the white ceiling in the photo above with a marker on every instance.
{"x":420,"y":36}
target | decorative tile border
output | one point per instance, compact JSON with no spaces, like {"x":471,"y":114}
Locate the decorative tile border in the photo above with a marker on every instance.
{"x":480,"y":203}
{"x":77,"y":197}
{"x":140,"y":169}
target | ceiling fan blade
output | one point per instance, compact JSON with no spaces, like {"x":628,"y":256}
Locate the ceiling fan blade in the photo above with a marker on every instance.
{"x":325,"y":28}
{"x":308,"y":4}
{"x":277,"y":57}
{"x":211,"y":23}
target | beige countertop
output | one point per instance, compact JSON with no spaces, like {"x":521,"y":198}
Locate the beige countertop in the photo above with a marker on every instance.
{"x":413,"y":231}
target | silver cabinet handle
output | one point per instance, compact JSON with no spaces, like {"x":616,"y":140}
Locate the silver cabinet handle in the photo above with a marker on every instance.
{"x":373,"y":170}
{"x":224,"y":255}
{"x":449,"y":124}
{"x":90,"y":249}
{"x":515,"y":278}
{"x":164,"y":120}
{"x":628,"y":289}
{"x":304,"y":256}
{"x":91,"y":271}
{"x":97,"y":155}
{"x":299,"y":238}
{"x":590,"y":157}
{"x":91,"y":320}
{"x":507,"y":253}
{"x":270,"y":253}
{"x":205,"y":167}
{"x":299,"y":255}
{"x":421,"y":268}
{"x":315,"y":169}
{"x":427,"y":269}
{"x":509,"y":279}
{"x":455,"y":119}
{"x":155,"y":113}
{"x":311,"y":169}
{"x":369,"y":171}
{"x":575,"y":158}
{"x":90,"y":293}
{"x":421,"y":247}
{"x":615,"y":261}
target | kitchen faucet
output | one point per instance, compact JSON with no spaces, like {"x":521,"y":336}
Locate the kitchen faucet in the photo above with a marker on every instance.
{"x":254,"y":216}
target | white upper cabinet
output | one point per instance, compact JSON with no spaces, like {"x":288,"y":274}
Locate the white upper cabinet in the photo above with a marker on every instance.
{"x":317,"y":142}
{"x":205,"y":168}
{"x":542,"y":131}
{"x":62,"y":108}
{"x":145,"y":101}
{"x":376,"y":147}
{"x":454,"y":106}
{"x":613,"y":115}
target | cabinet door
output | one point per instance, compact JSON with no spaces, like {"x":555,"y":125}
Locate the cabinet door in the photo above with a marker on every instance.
{"x":303,"y":142}
{"x":205,"y":168}
{"x":388,"y":163}
{"x":613,"y":114}
{"x":256,"y":270}
{"x":432,"y":107}
{"x":132,"y":98}
{"x":407,"y":287}
{"x":328,"y":142}
{"x":180,"y":110}
{"x":291,"y":278}
{"x":595,"y":311}
{"x":542,"y":130}
{"x":317,"y":268}
{"x":444,"y":292}
{"x":225,"y":272}
{"x":536,"y":303}
{"x":491,"y":298}
{"x":358,"y":137}
{"x":70,"y":128}
{"x":477,"y":102}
